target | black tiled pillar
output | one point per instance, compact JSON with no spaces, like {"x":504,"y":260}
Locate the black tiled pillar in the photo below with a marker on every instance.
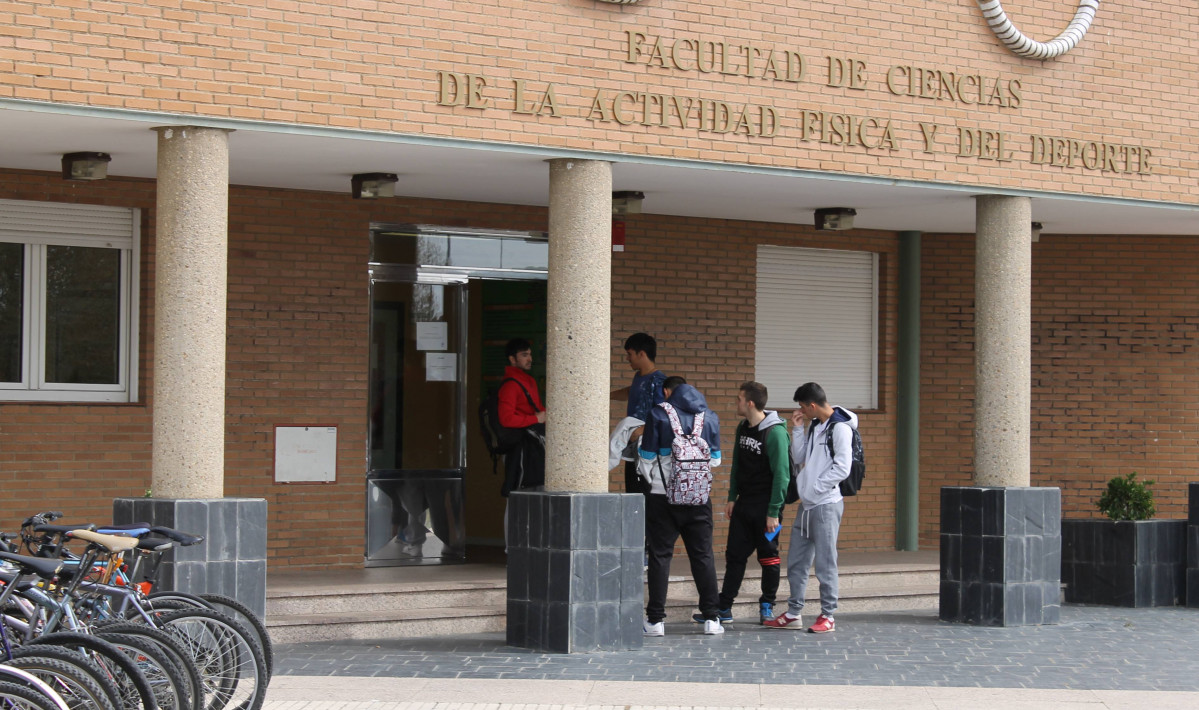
{"x":1001,"y":555}
{"x":232,"y":558}
{"x":1192,"y":572}
{"x":574,"y":571}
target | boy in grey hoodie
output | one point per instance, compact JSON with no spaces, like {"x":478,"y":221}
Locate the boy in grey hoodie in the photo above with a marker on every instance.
{"x":814,"y":533}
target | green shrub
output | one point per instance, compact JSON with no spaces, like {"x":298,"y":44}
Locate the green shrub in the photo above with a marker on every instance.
{"x":1126,"y":498}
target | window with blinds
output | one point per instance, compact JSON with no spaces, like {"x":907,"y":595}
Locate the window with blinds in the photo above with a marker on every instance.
{"x":817,"y":321}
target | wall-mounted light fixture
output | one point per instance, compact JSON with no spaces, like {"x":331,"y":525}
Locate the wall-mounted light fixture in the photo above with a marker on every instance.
{"x":1036,"y":231}
{"x":85,"y":166}
{"x":370,"y":186}
{"x":835,"y":218}
{"x":626,"y":202}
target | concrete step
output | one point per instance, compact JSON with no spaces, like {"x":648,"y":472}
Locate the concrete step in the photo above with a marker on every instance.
{"x":466,"y":601}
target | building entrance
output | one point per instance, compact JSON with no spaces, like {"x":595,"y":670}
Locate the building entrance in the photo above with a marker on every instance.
{"x":443,"y":304}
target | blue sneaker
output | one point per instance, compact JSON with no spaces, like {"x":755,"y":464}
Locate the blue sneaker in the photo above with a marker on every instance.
{"x":725,"y":616}
{"x":765,"y":612}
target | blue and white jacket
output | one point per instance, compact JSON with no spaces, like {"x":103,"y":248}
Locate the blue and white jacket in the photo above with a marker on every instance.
{"x":655,"y":441}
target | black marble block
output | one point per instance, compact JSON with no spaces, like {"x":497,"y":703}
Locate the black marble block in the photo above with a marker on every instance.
{"x":1132,"y":563}
{"x":1000,"y":555}
{"x":575,"y":571}
{"x":231,"y":560}
{"x":1192,"y":569}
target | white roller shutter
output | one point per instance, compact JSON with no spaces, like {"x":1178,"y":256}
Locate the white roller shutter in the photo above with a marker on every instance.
{"x":66,"y":223}
{"x":817,"y":321}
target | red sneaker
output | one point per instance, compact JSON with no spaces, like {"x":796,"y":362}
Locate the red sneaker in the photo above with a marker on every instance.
{"x":823,"y":625}
{"x":786,"y":620}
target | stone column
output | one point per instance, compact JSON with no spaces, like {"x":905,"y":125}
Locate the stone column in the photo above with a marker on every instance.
{"x":578,"y":325}
{"x":190,"y":283}
{"x":1001,"y":541}
{"x":575,"y":551}
{"x":1003,"y":340}
{"x":191,"y":244}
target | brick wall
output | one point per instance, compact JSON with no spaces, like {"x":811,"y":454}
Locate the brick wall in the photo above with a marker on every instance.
{"x":1114,"y":336}
{"x":374,"y":65}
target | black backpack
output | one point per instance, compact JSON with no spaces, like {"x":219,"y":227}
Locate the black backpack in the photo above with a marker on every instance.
{"x":500,"y":439}
{"x":857,"y":464}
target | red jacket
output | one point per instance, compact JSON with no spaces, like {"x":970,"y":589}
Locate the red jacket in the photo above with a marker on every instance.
{"x":515,"y":412}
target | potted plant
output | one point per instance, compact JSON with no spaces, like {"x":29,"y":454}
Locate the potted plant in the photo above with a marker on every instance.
{"x":1129,"y":559}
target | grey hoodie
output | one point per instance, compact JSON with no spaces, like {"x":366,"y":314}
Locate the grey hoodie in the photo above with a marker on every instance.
{"x":818,"y":473}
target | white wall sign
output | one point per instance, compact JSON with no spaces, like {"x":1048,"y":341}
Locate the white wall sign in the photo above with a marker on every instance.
{"x":305,"y":454}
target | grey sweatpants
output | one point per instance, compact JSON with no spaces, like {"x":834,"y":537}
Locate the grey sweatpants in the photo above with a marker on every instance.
{"x":814,"y":537}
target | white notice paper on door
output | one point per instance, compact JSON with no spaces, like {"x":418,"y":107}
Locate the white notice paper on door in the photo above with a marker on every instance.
{"x":441,"y":367}
{"x":432,"y":336}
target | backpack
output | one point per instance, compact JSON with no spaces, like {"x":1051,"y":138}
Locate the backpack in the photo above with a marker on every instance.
{"x":500,"y":439}
{"x":857,"y":462}
{"x":691,"y":462}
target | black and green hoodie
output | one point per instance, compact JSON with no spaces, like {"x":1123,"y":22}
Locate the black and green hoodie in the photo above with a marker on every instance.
{"x":761,"y":462}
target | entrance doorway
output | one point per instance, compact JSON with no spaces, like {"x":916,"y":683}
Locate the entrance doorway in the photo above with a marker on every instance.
{"x":443,"y":304}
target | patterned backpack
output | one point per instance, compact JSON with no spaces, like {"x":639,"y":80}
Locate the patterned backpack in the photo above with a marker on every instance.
{"x":691,"y":479}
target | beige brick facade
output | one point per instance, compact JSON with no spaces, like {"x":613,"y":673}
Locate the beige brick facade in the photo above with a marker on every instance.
{"x":1113,"y":315}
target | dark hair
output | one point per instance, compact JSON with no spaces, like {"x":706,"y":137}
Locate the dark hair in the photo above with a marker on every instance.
{"x":672,"y":382}
{"x":517,"y":345}
{"x":810,"y":393}
{"x":644,"y":343}
{"x":755,"y":392}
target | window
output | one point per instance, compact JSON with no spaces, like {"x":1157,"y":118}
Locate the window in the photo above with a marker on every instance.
{"x":817,"y":321}
{"x":68,"y":302}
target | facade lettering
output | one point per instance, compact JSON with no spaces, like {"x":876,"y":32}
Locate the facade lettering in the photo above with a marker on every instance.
{"x":844,"y":129}
{"x":714,"y":56}
{"x":942,"y":85}
{"x":1091,"y":155}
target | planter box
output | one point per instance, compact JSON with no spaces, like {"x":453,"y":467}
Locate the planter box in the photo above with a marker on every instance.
{"x":1135,"y":563}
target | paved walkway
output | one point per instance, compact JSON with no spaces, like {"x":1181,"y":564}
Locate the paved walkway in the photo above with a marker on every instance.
{"x":1098,"y":657}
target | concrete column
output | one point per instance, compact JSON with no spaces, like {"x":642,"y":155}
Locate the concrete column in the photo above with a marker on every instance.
{"x":190,"y":276}
{"x":578,"y":325}
{"x":1003,"y":315}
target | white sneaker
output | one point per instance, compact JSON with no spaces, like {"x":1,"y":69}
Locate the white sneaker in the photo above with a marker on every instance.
{"x":658,"y":629}
{"x":713,"y":627}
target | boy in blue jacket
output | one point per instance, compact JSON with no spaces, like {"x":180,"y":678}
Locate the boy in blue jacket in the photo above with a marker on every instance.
{"x":666,"y":522}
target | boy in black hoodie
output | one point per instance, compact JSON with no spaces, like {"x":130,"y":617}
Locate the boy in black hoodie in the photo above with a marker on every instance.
{"x":664,"y":521}
{"x":757,"y":486}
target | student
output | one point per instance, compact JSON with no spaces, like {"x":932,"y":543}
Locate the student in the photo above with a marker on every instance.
{"x":520,"y":408}
{"x":814,"y":533}
{"x":665,"y":522}
{"x":645,"y":391}
{"x":757,"y":486}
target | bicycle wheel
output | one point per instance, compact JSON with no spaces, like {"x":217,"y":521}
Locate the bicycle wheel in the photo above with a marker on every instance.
{"x":74,"y":684}
{"x":240,"y":612}
{"x":83,"y":663}
{"x":229,"y":661}
{"x":229,"y":607}
{"x":23,"y":697}
{"x":177,"y":652}
{"x":134,"y":690}
{"x":170,"y":689}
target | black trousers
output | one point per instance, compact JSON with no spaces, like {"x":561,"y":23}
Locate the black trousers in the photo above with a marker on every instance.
{"x":664,"y":523}
{"x":633,"y":483}
{"x":747,"y":534}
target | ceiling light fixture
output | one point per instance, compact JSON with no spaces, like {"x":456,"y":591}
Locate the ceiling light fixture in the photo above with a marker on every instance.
{"x":85,"y":166}
{"x":370,"y":186}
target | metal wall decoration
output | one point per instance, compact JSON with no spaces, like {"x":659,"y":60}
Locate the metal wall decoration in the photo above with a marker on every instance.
{"x":1020,"y":44}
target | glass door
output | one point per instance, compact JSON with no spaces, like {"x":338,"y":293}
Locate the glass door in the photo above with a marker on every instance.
{"x":416,"y":427}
